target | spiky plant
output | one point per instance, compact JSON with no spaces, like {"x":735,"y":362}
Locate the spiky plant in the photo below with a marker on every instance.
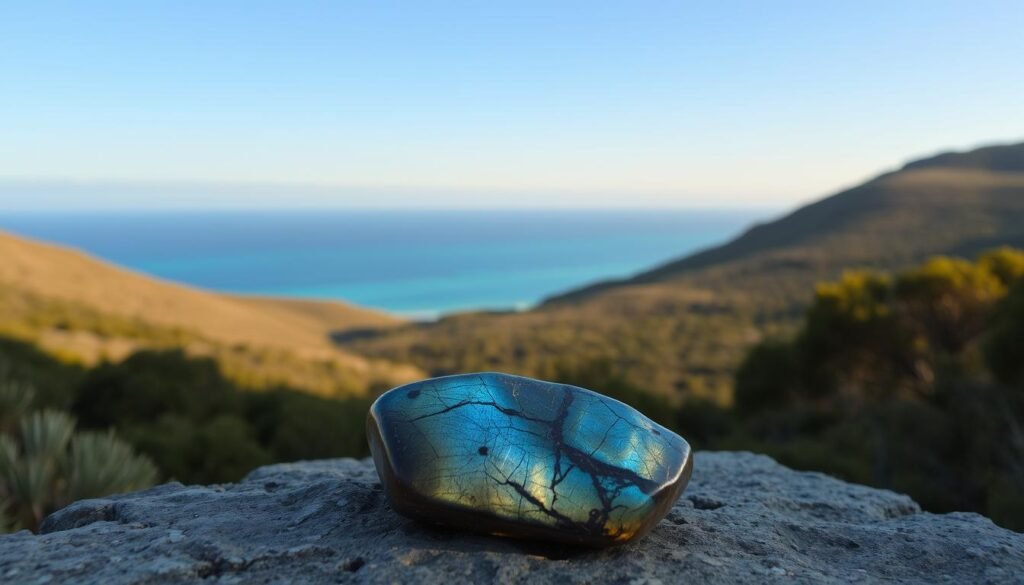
{"x":8,"y":461}
{"x":16,"y":400}
{"x":6,"y":523}
{"x":100,"y":464}
{"x":50,"y":466}
{"x":36,"y":478}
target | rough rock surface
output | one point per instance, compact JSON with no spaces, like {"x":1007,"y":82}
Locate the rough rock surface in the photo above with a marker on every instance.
{"x":743,"y":519}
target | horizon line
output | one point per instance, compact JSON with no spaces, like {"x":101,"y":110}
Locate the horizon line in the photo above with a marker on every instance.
{"x":398,"y":209}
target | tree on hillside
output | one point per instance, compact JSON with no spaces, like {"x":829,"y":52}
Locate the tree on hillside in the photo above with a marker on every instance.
{"x":1007,"y":264}
{"x":885,"y":383}
{"x":1004,"y":349}
{"x":946,"y":301}
{"x":769,"y":377}
{"x":853,"y":345}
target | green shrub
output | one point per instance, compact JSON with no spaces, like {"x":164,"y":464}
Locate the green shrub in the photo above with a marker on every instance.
{"x":768,"y":378}
{"x":293,"y":425}
{"x":53,"y":382}
{"x":199,"y":427}
{"x":1004,"y":349}
{"x":884,"y":384}
{"x":150,"y":384}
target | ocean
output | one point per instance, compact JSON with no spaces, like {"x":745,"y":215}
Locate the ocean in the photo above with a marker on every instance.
{"x":416,"y":263}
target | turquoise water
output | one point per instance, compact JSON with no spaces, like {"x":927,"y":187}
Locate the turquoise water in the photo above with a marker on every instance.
{"x":420,"y":263}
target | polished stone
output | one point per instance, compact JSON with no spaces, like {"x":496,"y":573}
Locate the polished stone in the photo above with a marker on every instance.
{"x":520,"y":457}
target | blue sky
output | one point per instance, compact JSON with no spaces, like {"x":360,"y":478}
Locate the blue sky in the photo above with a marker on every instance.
{"x":490,"y":104}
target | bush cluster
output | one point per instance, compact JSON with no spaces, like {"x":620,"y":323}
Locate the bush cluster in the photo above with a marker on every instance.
{"x":912,"y":382}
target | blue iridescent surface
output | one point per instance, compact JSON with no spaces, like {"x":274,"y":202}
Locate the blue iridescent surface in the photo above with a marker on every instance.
{"x":522,"y":457}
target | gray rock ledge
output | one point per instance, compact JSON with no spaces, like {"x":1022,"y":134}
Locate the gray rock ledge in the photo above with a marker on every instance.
{"x":743,"y":519}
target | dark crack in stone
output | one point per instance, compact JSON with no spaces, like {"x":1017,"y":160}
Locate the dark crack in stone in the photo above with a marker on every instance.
{"x":519,"y":457}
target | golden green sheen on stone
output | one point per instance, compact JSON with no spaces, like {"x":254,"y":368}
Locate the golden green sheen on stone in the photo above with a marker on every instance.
{"x":525,"y":458}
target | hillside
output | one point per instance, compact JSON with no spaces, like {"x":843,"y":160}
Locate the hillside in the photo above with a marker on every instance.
{"x":681,"y":328}
{"x":84,"y":309}
{"x":952,"y":203}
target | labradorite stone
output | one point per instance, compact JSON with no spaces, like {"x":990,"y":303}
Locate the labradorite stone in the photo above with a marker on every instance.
{"x":521,"y":457}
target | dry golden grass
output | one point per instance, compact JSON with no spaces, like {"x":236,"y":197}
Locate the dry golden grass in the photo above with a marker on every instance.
{"x":84,"y":309}
{"x":61,"y":273}
{"x":955,"y":178}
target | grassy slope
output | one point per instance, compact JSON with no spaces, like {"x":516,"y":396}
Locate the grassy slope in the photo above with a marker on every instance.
{"x":953,"y":203}
{"x":683,"y":327}
{"x":82,"y":308}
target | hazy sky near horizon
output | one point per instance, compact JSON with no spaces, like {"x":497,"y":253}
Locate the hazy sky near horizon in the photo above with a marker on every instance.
{"x":491,"y":104}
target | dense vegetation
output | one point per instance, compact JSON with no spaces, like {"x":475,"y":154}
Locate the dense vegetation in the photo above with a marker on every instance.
{"x":180,"y":413}
{"x":913,"y":382}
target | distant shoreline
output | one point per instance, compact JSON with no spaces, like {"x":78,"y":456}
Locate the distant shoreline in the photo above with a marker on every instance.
{"x":419,"y":264}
